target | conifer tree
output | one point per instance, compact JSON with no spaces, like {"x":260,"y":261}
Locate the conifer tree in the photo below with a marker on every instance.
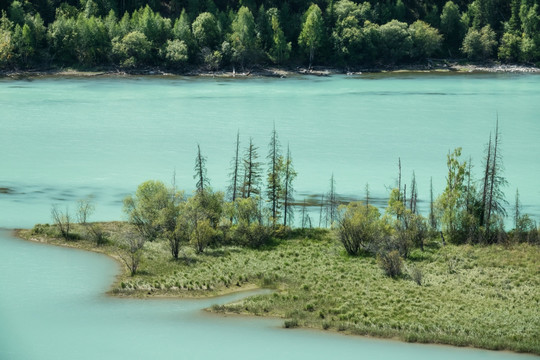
{"x":289,"y":176}
{"x":200,"y":172}
{"x":274,"y":185}
{"x":252,"y":171}
{"x":235,"y":172}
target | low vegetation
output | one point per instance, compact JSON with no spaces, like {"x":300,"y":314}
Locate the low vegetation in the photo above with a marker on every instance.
{"x":457,"y":277}
{"x":466,"y":295}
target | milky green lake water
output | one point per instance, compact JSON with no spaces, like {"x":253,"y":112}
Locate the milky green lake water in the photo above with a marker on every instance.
{"x":62,"y":139}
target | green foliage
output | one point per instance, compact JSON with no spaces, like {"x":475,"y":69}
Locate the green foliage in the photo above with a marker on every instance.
{"x":254,"y":235}
{"x":92,"y":43}
{"x":206,"y":31}
{"x":426,"y":40}
{"x":450,"y":203}
{"x":6,"y":42}
{"x":144,"y":210}
{"x":348,"y":39}
{"x":201,"y":235}
{"x":132,"y":50}
{"x":510,"y":49}
{"x":452,"y":27}
{"x":359,"y":228}
{"x":395,"y":41}
{"x":353,"y":294}
{"x":182,"y":31}
{"x":176,"y":53}
{"x":243,"y":37}
{"x":280,"y":49}
{"x":95,"y":32}
{"x":479,"y":44}
{"x":391,"y":263}
{"x":311,"y":36}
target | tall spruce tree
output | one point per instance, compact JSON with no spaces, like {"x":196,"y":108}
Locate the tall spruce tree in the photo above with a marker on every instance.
{"x":252,"y":171}
{"x":200,"y":172}
{"x":288,"y":190}
{"x":274,"y":185}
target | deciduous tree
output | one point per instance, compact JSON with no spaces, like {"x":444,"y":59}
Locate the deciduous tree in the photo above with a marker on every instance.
{"x":311,"y":36}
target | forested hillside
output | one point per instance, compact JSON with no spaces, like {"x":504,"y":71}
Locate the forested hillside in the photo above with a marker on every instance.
{"x":223,"y":33}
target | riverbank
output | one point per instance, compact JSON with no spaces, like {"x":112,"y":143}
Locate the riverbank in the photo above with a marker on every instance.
{"x":485,"y":297}
{"x":276,"y":72}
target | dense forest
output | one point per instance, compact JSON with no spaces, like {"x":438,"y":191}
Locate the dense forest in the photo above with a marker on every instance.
{"x":213,"y":34}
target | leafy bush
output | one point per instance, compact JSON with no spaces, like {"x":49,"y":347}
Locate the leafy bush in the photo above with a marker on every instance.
{"x":359,"y":227}
{"x":391,"y":263}
{"x":289,"y":324}
{"x":416,"y":274}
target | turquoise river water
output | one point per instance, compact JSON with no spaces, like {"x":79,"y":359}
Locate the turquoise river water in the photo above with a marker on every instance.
{"x":63,"y":139}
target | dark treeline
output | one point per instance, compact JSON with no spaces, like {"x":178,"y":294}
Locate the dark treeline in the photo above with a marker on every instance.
{"x":226,"y":33}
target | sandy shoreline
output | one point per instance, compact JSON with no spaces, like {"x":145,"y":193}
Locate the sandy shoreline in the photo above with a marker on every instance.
{"x":276,"y":72}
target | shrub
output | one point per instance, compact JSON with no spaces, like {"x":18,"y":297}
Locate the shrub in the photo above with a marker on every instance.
{"x":326,"y":325}
{"x":416,"y":274}
{"x":358,"y":227}
{"x":391,"y":263}
{"x":289,"y":324}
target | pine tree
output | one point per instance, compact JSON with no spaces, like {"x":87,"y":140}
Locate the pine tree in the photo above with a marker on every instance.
{"x":289,"y":175}
{"x":274,"y":186}
{"x":252,"y":171}
{"x":235,"y":165}
{"x":332,"y":202}
{"x":200,"y":172}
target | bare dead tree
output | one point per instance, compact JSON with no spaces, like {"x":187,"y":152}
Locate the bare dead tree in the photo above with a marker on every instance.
{"x":405,"y":196}
{"x":332,"y":202}
{"x":486,"y":182}
{"x":399,"y":178}
{"x":414,"y":194}
{"x":233,"y":187}
{"x":321,"y":210}
{"x":132,"y":243}
{"x":367,"y":196}
{"x":85,"y":209}
{"x":432,"y":219}
{"x":200,"y":172}
{"x":517,"y":210}
{"x":62,"y":220}
{"x":304,"y":214}
{"x":494,"y":199}
{"x":468,"y":196}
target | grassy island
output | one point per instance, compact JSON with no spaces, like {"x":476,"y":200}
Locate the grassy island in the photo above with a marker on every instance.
{"x":455,"y":277}
{"x":468,"y":295}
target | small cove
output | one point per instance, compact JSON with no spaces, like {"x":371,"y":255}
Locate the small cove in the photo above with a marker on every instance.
{"x":53,"y":306}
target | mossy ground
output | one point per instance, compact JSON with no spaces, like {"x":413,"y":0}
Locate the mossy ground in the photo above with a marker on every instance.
{"x":481,"y":296}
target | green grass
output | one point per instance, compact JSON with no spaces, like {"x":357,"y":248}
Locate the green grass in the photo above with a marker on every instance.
{"x":481,"y":296}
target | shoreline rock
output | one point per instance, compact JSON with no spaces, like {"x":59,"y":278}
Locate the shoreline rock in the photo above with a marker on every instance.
{"x":276,"y":72}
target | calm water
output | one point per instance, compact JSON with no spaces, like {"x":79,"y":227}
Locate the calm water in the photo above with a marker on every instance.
{"x":65,"y":139}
